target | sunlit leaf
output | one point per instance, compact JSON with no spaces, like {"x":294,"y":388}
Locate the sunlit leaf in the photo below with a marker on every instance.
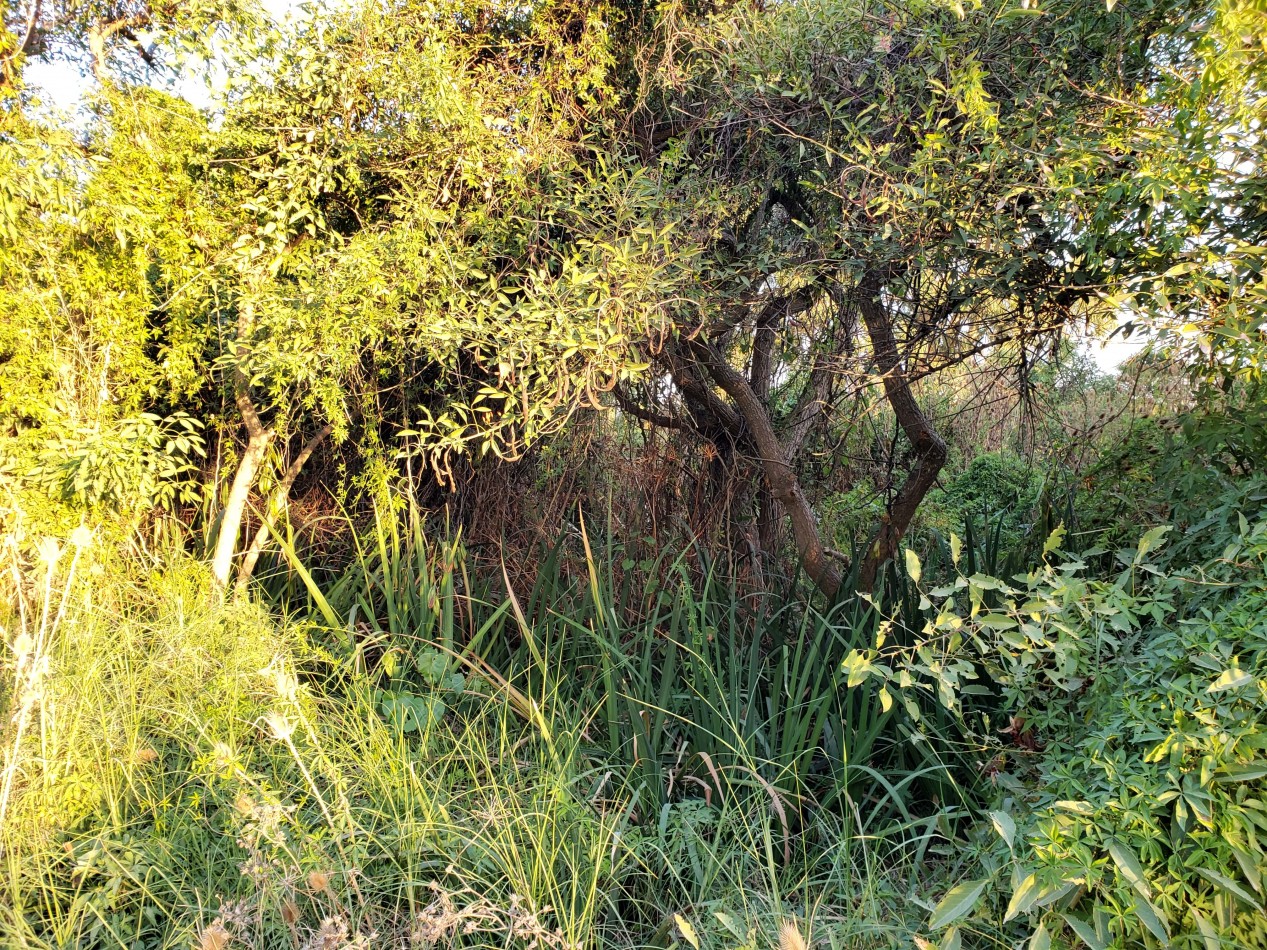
{"x":957,"y":903}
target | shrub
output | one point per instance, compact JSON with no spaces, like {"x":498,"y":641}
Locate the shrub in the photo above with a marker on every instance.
{"x":1123,"y":722}
{"x":994,"y":484}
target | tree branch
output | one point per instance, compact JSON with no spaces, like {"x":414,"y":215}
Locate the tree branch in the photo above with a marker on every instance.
{"x":929,"y":448}
{"x":782,"y":480}
{"x":25,"y":46}
{"x":99,"y":35}
{"x":713,"y":417}
{"x":646,"y":415}
{"x":247,"y":567}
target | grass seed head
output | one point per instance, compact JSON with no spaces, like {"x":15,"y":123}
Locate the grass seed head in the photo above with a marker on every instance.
{"x":790,"y":937}
{"x":215,"y":937}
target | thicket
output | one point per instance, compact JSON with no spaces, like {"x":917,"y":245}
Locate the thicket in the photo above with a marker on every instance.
{"x":639,"y":755}
{"x":575,"y":475}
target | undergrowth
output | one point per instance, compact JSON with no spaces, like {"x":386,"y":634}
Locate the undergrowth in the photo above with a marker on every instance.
{"x":411,"y":756}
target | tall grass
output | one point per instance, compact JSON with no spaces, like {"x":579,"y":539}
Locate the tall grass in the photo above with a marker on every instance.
{"x":603,"y":758}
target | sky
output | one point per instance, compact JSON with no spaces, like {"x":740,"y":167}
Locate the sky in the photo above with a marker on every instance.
{"x":1109,"y":356}
{"x":63,"y":87}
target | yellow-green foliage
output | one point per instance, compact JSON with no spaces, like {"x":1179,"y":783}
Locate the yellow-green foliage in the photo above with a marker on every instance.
{"x":132,"y":668}
{"x":94,"y":241}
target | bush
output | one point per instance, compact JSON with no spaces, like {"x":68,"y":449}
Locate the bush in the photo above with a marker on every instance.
{"x":994,"y":484}
{"x":1123,"y":723}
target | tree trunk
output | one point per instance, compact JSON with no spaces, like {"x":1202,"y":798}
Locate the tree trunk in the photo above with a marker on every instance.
{"x":930,"y":449}
{"x":769,"y":517}
{"x":258,"y":439}
{"x":780,"y":477}
{"x":231,"y":520}
{"x":252,"y":556}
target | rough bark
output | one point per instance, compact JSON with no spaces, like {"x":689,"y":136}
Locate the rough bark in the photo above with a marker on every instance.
{"x":807,"y":412}
{"x":810,"y":407}
{"x":929,"y":448}
{"x":252,"y":556}
{"x":29,"y":37}
{"x":780,"y":477}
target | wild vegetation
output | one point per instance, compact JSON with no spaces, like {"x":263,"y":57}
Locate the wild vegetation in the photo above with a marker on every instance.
{"x":585,"y":474}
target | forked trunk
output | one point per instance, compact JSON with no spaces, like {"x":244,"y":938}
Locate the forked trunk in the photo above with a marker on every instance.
{"x":781,"y":478}
{"x":258,"y":439}
{"x":235,"y":506}
{"x":929,"y":448}
{"x":252,"y":556}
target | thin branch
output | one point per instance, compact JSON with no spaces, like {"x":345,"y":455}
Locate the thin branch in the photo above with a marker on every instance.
{"x":646,"y":415}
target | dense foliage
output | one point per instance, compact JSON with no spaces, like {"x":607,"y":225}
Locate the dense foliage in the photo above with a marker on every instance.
{"x":606,"y":474}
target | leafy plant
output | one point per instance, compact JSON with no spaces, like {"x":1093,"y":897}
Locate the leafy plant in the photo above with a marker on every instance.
{"x":1153,"y":829}
{"x":144,"y":461}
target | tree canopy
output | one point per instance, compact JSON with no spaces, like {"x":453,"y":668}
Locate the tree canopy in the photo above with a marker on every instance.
{"x":439,"y":230}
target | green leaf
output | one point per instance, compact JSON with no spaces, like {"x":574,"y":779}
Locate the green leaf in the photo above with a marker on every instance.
{"x":1023,"y":898}
{"x":1078,"y":808}
{"x":1150,"y":540}
{"x":730,"y":924}
{"x":1054,"y":892}
{"x":1240,"y":773}
{"x":1151,"y":918}
{"x":952,"y":939}
{"x":858,"y":667}
{"x":1005,"y":826}
{"x":1086,"y":933}
{"x":886,"y":699}
{"x":959,"y":900}
{"x":1040,"y":939}
{"x":409,"y":712}
{"x":998,"y":621}
{"x":1230,"y":679}
{"x":314,"y":591}
{"x":1229,"y":886}
{"x":986,"y":582}
{"x":1130,"y":867}
{"x":1209,"y":938}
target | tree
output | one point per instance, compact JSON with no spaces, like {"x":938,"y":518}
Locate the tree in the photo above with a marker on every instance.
{"x":399,"y":208}
{"x":428,"y":228}
{"x":924,"y":181}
